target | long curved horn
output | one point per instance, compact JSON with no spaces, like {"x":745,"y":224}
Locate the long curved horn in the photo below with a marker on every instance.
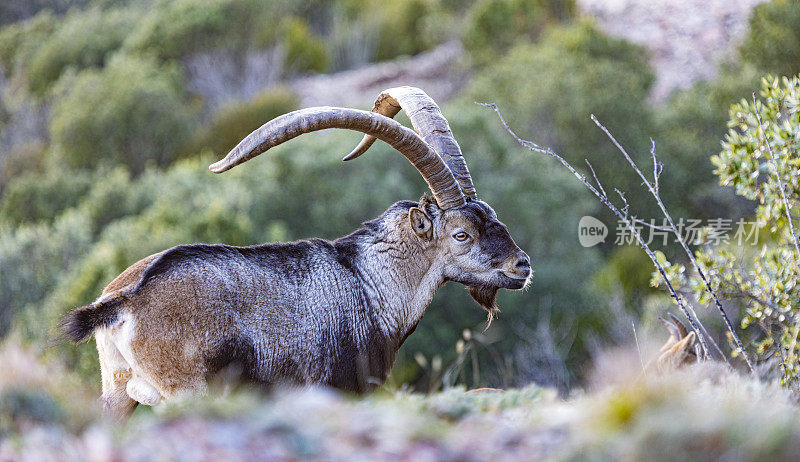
{"x":428,"y":121}
{"x":283,"y":128}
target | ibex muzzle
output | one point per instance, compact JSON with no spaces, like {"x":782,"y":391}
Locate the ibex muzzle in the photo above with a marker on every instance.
{"x":308,"y":312}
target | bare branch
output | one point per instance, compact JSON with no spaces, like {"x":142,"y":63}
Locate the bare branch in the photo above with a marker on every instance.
{"x":599,"y":185}
{"x":652,"y":226}
{"x":658,"y":167}
{"x":693,"y":320}
{"x":652,"y":187}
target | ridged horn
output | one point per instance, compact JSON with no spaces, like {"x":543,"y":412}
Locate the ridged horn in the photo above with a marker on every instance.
{"x":440,"y":180}
{"x":429,"y":123}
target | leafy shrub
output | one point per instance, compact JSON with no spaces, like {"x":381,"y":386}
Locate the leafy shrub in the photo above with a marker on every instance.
{"x":402,"y":27}
{"x":25,"y":158}
{"x":19,"y":41}
{"x":12,"y":11}
{"x":83,"y":39}
{"x":762,"y":275}
{"x":33,"y":258}
{"x":304,"y":52}
{"x":35,"y":197}
{"x":129,"y":113}
{"x":114,"y":195}
{"x":773,"y":41}
{"x":493,"y":26}
{"x":175,"y":29}
{"x":392,"y":29}
{"x":232,"y":124}
{"x":627,"y":270}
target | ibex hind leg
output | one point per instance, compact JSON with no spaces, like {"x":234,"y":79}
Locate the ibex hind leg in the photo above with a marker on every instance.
{"x":115,"y":373}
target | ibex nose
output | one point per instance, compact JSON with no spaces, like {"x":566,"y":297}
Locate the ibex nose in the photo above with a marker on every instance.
{"x":523,"y":262}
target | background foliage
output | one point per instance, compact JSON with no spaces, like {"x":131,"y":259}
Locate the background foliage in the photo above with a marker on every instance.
{"x":117,"y":167}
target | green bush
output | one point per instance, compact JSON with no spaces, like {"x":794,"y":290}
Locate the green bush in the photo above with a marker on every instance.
{"x":402,"y":27}
{"x":762,"y":275}
{"x":20,"y":41}
{"x":32,"y":260}
{"x":629,"y":269}
{"x":129,"y":113}
{"x":83,"y":39}
{"x":40,"y":197}
{"x":773,"y":41}
{"x":12,"y":11}
{"x":176,"y":28}
{"x":493,"y":26}
{"x":21,"y":159}
{"x":233,"y":123}
{"x":304,"y":52}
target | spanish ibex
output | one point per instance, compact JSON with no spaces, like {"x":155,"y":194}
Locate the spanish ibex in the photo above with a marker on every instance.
{"x":313,"y":311}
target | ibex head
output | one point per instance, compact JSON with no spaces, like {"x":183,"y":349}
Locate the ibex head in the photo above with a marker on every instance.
{"x":680,"y":349}
{"x":470,"y":244}
{"x":473,"y":246}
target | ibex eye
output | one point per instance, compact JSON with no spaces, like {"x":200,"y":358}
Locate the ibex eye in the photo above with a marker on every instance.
{"x":461,"y":236}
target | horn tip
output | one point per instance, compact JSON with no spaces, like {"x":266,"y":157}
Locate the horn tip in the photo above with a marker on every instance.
{"x":350,"y":156}
{"x":356,"y":152}
{"x":217,"y":167}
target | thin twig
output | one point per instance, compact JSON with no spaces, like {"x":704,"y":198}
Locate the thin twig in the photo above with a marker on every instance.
{"x":652,"y":226}
{"x":658,"y":167}
{"x":599,"y":185}
{"x":652,"y":188}
{"x":636,"y":339}
{"x":622,"y":216}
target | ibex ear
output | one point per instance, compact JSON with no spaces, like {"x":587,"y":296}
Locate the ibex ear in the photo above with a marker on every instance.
{"x":674,"y":332}
{"x":420,"y":223}
{"x":681,"y":328}
{"x":688,"y":342}
{"x":677,"y":355}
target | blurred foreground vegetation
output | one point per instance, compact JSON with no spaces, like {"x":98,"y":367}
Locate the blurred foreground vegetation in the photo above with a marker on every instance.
{"x":703,"y":412}
{"x":111,"y":111}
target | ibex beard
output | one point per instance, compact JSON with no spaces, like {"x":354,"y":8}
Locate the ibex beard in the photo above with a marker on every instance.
{"x":319,"y":312}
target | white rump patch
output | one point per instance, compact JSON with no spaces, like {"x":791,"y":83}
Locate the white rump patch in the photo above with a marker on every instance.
{"x":122,"y":334}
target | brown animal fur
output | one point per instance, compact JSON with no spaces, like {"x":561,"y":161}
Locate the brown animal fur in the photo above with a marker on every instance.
{"x":680,"y":348}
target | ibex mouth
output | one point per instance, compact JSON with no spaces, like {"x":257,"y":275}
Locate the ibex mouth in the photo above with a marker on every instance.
{"x":513,"y":281}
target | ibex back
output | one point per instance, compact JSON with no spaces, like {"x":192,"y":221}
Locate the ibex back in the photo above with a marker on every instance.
{"x":308,"y":312}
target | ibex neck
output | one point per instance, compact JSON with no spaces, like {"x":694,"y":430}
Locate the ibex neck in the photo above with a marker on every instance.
{"x":401,"y":280}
